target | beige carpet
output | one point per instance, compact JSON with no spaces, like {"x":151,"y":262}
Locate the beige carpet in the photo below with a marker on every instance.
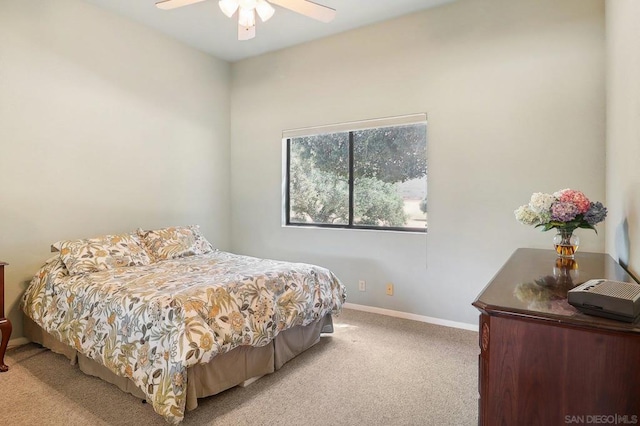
{"x":374,"y":370}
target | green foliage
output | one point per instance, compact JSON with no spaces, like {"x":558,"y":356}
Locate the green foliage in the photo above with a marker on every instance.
{"x":423,"y":205}
{"x":390,"y":154}
{"x":571,"y":226}
{"x":377,"y":203}
{"x":321,"y":197}
{"x":319,"y":175}
{"x":317,"y":196}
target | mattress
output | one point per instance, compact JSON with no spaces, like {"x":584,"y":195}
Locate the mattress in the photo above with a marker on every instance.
{"x":152,"y":323}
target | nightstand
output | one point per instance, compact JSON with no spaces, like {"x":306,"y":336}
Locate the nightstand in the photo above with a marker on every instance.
{"x":5,"y":324}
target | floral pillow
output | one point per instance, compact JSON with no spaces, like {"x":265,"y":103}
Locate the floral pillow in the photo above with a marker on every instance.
{"x":175,"y":241}
{"x":102,"y":253}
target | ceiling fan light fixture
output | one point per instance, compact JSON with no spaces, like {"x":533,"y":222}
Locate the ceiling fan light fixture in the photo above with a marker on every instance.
{"x":228,"y":7}
{"x":247,"y":10}
{"x":265,"y":10}
{"x":246,"y":17}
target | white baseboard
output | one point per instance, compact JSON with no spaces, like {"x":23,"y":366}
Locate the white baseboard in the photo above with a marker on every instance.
{"x":18,"y":341}
{"x":406,"y":315}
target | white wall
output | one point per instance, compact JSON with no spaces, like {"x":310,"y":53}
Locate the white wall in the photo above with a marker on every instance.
{"x":105,"y":126}
{"x":623,"y":132}
{"x":514,"y":93}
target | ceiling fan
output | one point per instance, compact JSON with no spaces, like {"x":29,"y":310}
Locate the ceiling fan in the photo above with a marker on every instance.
{"x":247,"y":10}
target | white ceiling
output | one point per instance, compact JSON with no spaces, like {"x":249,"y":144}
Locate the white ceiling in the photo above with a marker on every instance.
{"x":204,"y":26}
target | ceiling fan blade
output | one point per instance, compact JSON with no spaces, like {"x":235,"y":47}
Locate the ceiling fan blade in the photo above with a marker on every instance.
{"x":246,"y":33}
{"x":172,"y":4}
{"x":308,"y":8}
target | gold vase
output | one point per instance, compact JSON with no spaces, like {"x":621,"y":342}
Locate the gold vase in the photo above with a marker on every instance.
{"x":566,"y":243}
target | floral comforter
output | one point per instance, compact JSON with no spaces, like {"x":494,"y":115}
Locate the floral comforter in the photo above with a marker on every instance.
{"x":150,"y":323}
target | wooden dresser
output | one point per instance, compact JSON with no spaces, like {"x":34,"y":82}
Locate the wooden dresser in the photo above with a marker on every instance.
{"x":5,"y":324}
{"x":544,"y":363}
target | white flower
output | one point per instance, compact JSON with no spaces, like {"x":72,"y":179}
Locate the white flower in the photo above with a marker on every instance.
{"x":541,"y":203}
{"x":559,"y":193}
{"x":544,"y":217}
{"x":526,"y":216}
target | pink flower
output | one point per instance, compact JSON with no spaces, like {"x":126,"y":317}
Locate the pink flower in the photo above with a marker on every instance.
{"x":577,"y":198}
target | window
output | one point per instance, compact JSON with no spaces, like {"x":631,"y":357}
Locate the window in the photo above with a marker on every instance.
{"x":365,"y":175}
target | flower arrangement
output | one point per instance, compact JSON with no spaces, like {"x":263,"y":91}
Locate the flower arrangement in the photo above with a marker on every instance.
{"x":564,"y":210}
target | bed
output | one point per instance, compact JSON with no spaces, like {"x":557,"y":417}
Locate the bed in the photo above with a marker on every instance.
{"x":168,"y":318}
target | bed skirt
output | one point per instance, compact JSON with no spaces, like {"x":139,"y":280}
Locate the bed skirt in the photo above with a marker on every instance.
{"x":238,"y":367}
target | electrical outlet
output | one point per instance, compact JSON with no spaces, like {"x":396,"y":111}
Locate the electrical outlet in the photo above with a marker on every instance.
{"x":389,"y":289}
{"x":362,"y":285}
